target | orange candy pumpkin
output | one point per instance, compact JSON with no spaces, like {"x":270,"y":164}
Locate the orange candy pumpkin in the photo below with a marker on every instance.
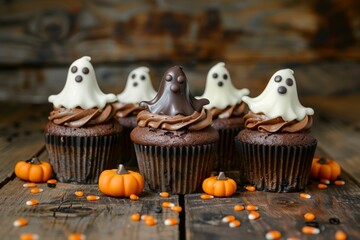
{"x":33,"y":170}
{"x":323,"y":168}
{"x":120,"y":182}
{"x":219,"y":186}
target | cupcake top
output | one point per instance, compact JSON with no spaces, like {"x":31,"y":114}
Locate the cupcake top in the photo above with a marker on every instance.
{"x":277,"y":108}
{"x":138,"y":88}
{"x":81,"y":102}
{"x":225,"y":99}
{"x":174,"y":107}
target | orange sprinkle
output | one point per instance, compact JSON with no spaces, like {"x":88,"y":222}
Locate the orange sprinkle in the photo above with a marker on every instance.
{"x":150,"y":221}
{"x":305,"y":195}
{"x":321,"y":186}
{"x":32,"y":202}
{"x":171,"y":222}
{"x":52,"y":181}
{"x":29,"y":236}
{"x":76,"y":236}
{"x":228,"y":218}
{"x":135,"y":217}
{"x":206,"y":197}
{"x":20,"y":222}
{"x":272,"y":235}
{"x":146,"y":217}
{"x":254,"y":215}
{"x":164,"y":194}
{"x":79,"y":193}
{"x":309,"y":217}
{"x":177,"y":209}
{"x":167,"y":204}
{"x":339,"y":182}
{"x":250,"y":188}
{"x":325,"y":181}
{"x":234,"y":224}
{"x":134,"y":197}
{"x":239,"y":208}
{"x":29,"y":185}
{"x":36,"y":190}
{"x":310,"y":230}
{"x":340,"y":235}
{"x":92,"y":198}
{"x":251,"y":208}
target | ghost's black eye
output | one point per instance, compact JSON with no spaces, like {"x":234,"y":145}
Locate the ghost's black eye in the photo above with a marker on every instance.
{"x":142,"y":77}
{"x":289,"y":82}
{"x":133,"y":76}
{"x":181,"y":79}
{"x":278,"y":78}
{"x":85,"y":70}
{"x":74,"y":69}
{"x":225,"y":76}
{"x":168,"y":78}
{"x":215,"y":75}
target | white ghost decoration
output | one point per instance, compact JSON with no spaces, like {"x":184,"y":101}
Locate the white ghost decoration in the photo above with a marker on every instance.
{"x":138,"y":87}
{"x":81,"y":88}
{"x":219,"y":89}
{"x":279,"y":98}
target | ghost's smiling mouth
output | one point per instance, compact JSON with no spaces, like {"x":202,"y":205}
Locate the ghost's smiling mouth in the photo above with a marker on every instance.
{"x":174,"y":88}
{"x":220,"y":84}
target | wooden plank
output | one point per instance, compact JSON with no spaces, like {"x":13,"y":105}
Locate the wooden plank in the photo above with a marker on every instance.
{"x":21,"y":137}
{"x":279,"y":211}
{"x":340,"y":140}
{"x":61,"y":213}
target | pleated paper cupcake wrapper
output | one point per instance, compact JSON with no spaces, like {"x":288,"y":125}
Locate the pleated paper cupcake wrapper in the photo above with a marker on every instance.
{"x":227,"y":158}
{"x":276,"y":168}
{"x":177,"y":170}
{"x":82,"y":159}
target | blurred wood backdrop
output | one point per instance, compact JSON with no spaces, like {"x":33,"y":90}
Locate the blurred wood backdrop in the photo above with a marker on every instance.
{"x":319,"y":39}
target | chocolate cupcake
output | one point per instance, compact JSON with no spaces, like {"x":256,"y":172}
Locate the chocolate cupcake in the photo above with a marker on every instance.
{"x":174,"y":141}
{"x":82,"y":137}
{"x":138,"y":88}
{"x":276,"y":146}
{"x":227,"y":110}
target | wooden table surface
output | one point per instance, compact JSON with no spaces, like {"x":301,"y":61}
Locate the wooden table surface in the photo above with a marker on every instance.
{"x":61,"y":213}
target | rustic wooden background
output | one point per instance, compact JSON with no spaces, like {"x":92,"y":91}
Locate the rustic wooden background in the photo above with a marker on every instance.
{"x":39,"y":40}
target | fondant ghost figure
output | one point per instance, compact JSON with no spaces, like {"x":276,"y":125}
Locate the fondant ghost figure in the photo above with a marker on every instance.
{"x":219,"y":89}
{"x":174,"y":96}
{"x":279,"y":98}
{"x":81,"y":88}
{"x":138,"y":87}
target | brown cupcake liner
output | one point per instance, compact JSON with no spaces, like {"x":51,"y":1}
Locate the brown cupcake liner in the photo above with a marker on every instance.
{"x":82,"y":159}
{"x":276,"y":168}
{"x":177,"y":170}
{"x":227,"y":158}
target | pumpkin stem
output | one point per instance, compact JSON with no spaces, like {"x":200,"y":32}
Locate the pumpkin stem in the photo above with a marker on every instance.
{"x":322,"y":160}
{"x":35,"y":160}
{"x":121,"y":170}
{"x":221,"y":176}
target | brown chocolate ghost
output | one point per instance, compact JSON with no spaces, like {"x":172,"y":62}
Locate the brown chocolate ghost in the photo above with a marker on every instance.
{"x":174,"y":96}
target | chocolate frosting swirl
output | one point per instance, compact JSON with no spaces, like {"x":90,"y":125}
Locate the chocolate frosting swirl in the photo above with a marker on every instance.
{"x":193,"y":122}
{"x":79,"y":117}
{"x":127,"y":109}
{"x":262,"y":123}
{"x":236,"y":110}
